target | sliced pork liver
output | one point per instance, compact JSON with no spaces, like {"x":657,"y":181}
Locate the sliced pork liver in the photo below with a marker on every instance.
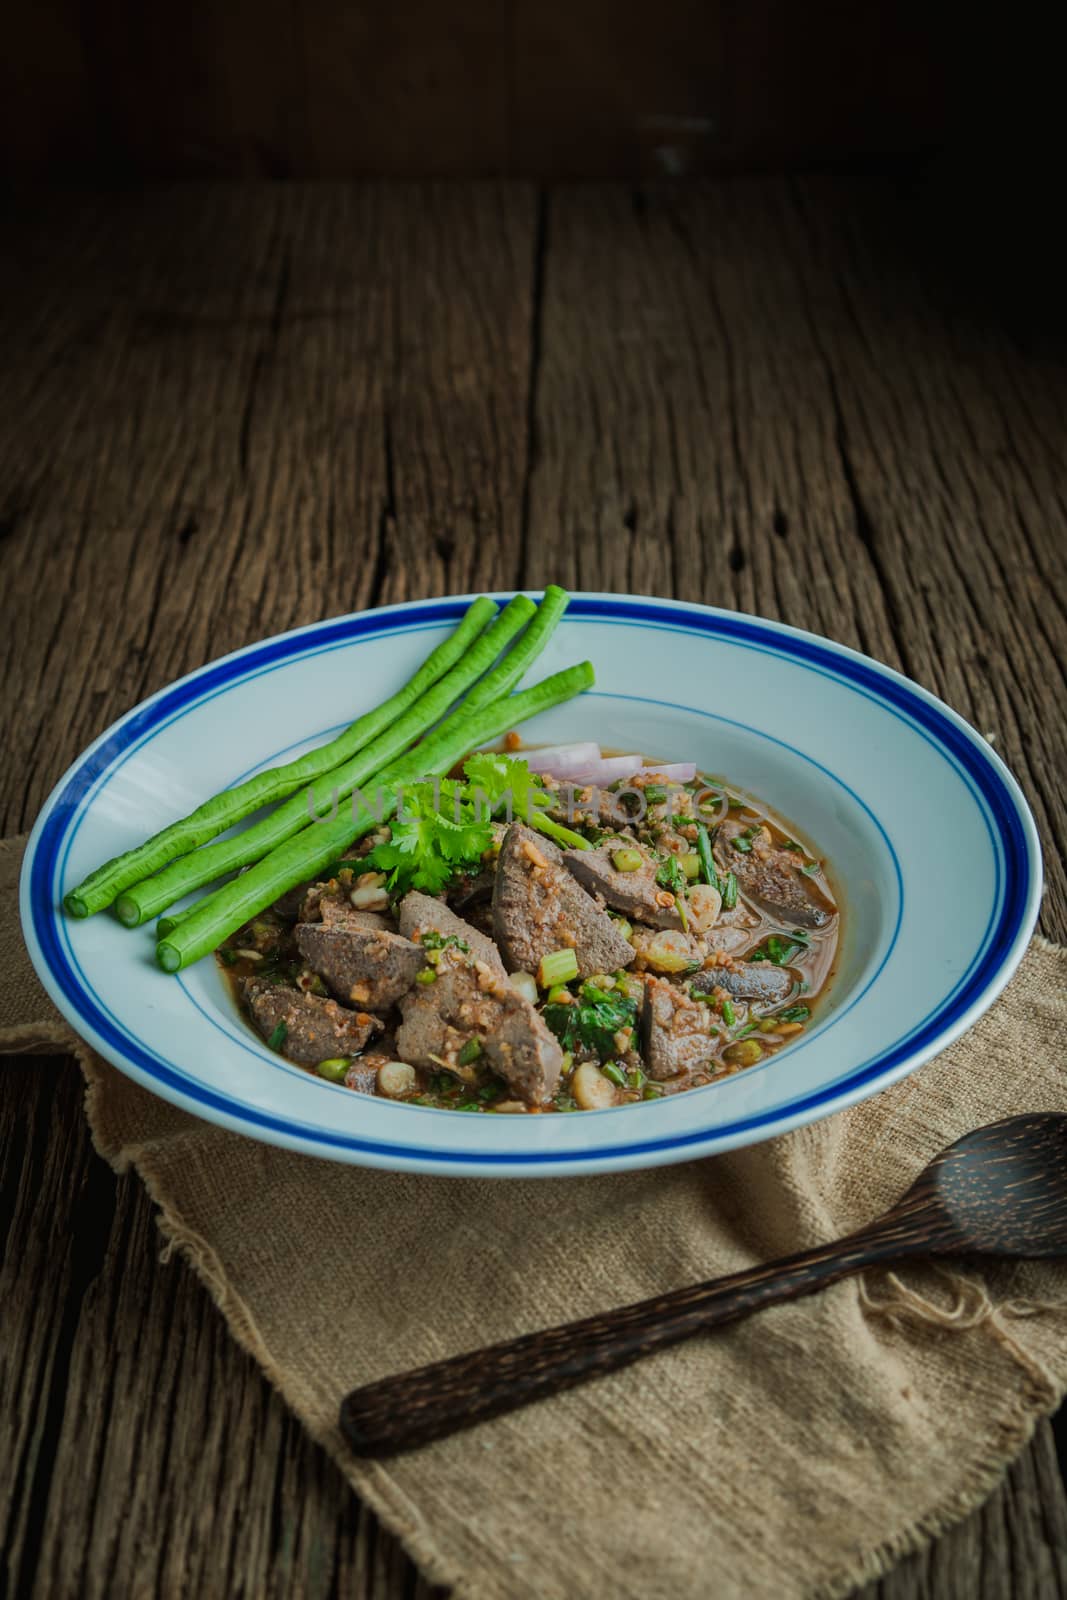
{"x":747,"y":980}
{"x":677,"y":1034}
{"x":333,"y":906}
{"x":772,"y":878}
{"x":635,"y":894}
{"x":469,"y":1000}
{"x":421,"y":912}
{"x":316,"y":1029}
{"x":539,"y":907}
{"x":363,"y":966}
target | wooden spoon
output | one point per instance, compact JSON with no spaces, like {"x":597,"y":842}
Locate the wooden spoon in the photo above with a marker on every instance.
{"x":1000,"y":1191}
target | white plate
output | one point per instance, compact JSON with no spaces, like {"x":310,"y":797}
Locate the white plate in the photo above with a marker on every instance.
{"x":931,"y":846}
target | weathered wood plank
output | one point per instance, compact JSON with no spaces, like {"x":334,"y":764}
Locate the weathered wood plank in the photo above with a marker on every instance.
{"x":147,"y":1453}
{"x":259,"y":407}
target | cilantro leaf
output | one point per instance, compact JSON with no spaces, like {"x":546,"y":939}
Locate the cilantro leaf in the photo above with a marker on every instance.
{"x":434,"y":836}
{"x":504,"y":784}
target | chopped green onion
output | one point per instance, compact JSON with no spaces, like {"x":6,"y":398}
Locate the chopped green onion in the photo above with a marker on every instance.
{"x":427,"y":975}
{"x":655,"y":794}
{"x":636,"y":1079}
{"x":558,"y":966}
{"x":704,"y":857}
{"x":799,"y":1013}
{"x":652,"y":1091}
{"x":560,"y":995}
{"x":278,"y":1036}
{"x":333,"y":1069}
{"x":729,"y":891}
{"x":812,"y":868}
{"x":469,"y":1105}
{"x":594,"y":992}
{"x":470,"y":1052}
{"x":791,"y":844}
{"x":614,"y":1074}
{"x":566,"y":1064}
{"x":624,"y":927}
{"x":627,"y":860}
{"x":690,"y":864}
{"x":670,"y":876}
{"x":729,"y":1015}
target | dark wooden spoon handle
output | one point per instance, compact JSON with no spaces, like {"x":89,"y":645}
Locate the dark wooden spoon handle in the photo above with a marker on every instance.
{"x":412,"y":1408}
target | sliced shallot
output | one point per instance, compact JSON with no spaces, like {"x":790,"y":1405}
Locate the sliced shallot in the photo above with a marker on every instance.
{"x":555,"y":758}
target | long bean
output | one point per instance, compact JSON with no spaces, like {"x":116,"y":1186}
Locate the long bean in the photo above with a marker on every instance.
{"x":554,"y":603}
{"x":300,"y":857}
{"x":103,"y":885}
{"x":493,"y":687}
{"x":191,"y":871}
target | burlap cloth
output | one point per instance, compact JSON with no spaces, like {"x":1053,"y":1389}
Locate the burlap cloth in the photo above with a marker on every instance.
{"x":798,"y":1453}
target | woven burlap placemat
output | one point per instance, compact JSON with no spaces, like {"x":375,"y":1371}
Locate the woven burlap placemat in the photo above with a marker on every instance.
{"x":796,"y":1454}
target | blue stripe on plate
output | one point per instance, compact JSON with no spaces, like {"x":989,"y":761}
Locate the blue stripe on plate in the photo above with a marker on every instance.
{"x":985,"y":781}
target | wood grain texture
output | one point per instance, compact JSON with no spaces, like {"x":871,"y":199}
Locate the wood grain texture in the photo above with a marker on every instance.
{"x":228,"y":411}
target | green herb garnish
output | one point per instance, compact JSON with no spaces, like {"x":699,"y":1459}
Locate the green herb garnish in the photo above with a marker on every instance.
{"x":799,"y":1013}
{"x":743,"y":841}
{"x":777,"y":950}
{"x":278,"y":1036}
{"x":729,"y":891}
{"x":591,"y":1025}
{"x":670,"y":876}
{"x":707,"y":865}
{"x":431,"y":939}
{"x":729,"y":1015}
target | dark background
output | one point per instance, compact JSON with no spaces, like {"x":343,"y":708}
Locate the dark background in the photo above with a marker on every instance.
{"x":548,"y":89}
{"x":961,"y":103}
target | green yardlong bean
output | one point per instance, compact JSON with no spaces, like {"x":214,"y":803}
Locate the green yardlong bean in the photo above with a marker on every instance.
{"x":148,"y":899}
{"x":107,"y":882}
{"x":222,"y":913}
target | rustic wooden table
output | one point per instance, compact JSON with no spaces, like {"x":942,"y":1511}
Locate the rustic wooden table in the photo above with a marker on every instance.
{"x":228,"y":411}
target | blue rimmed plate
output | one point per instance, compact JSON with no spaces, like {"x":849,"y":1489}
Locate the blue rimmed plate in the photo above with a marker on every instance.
{"x":932,"y":848}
